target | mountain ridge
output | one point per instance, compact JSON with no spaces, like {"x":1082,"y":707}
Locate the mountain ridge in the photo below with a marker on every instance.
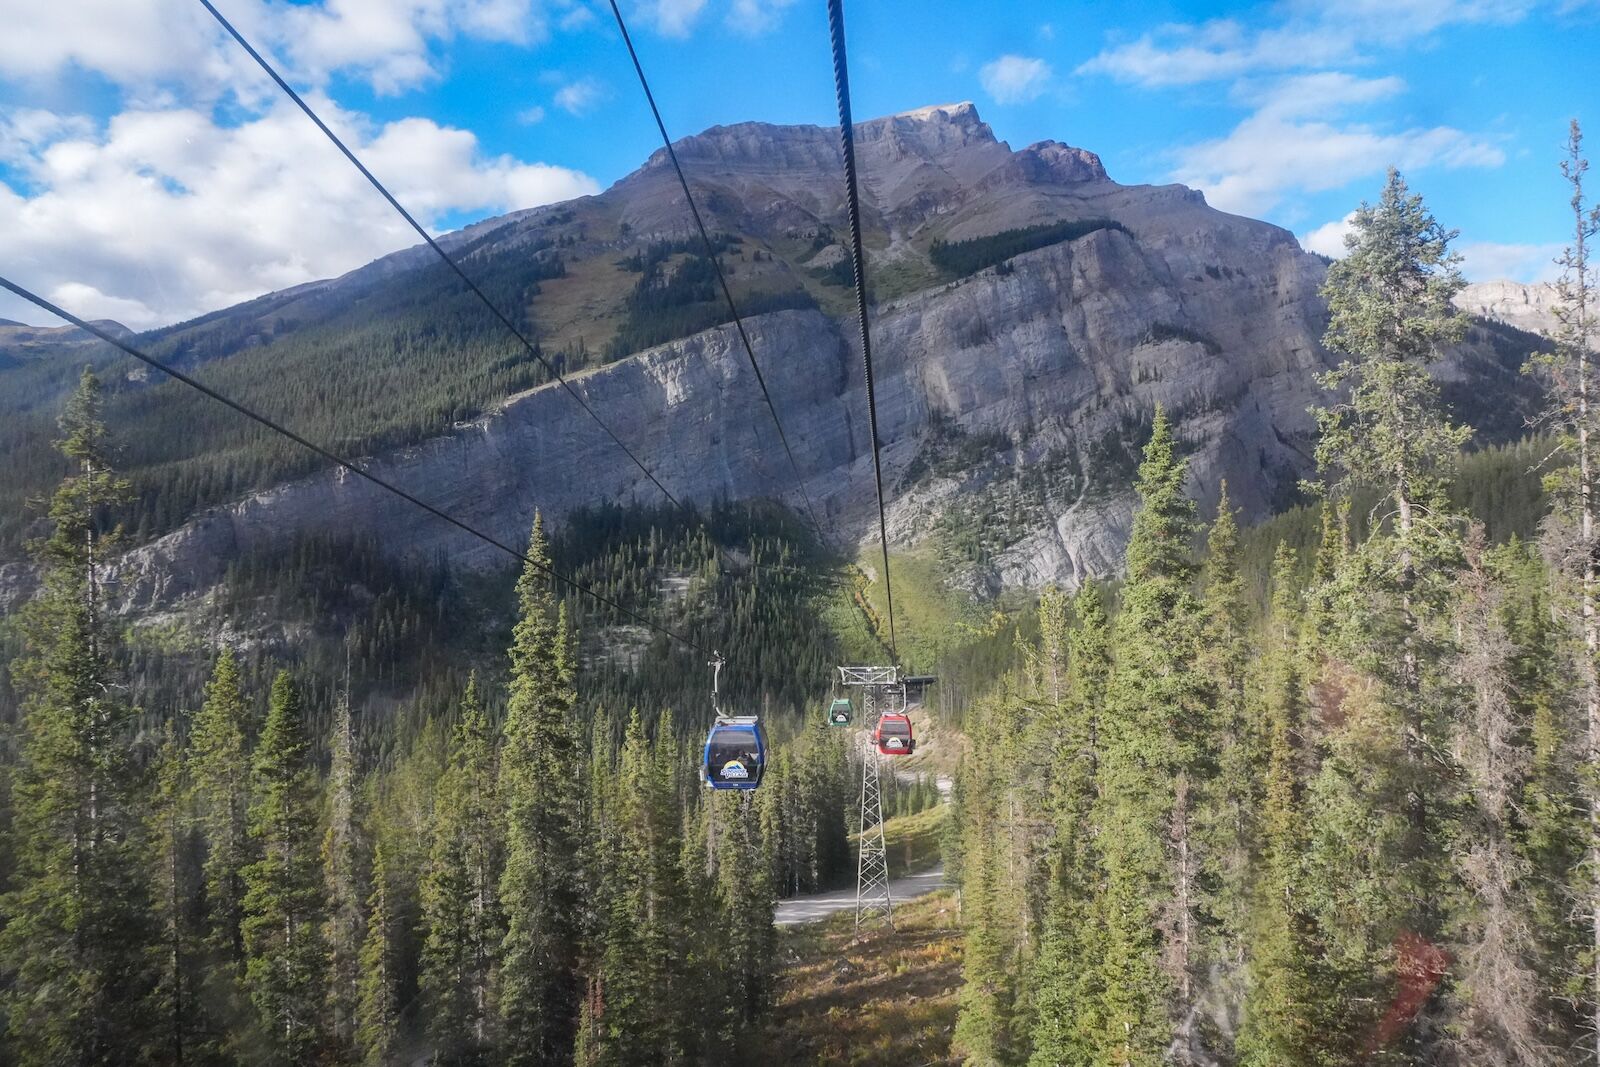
{"x":1052,"y":359}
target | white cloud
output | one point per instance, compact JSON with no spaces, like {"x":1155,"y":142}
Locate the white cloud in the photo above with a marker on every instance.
{"x":1311,"y":34}
{"x":164,"y":214}
{"x":670,"y":18}
{"x":1319,"y":95}
{"x":1015,"y":79}
{"x":153,"y":43}
{"x":754,"y":17}
{"x":26,"y":130}
{"x":531,"y":116}
{"x":1328,"y":239}
{"x":1398,"y":21}
{"x":1268,"y":155}
{"x":127,"y":42}
{"x":1486,"y":261}
{"x":580,"y":96}
{"x":1181,"y":54}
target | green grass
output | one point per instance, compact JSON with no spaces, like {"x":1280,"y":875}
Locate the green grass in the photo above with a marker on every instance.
{"x":911,"y":842}
{"x":843,"y":618}
{"x":886,"y":998}
{"x":931,"y":619}
{"x":902,"y":277}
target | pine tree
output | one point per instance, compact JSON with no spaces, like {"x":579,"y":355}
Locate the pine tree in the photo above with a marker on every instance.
{"x":284,"y":907}
{"x":1154,"y":728}
{"x":79,"y":950}
{"x":378,"y":1010}
{"x":220,"y":769}
{"x":460,"y":894}
{"x":539,"y":781}
{"x":1281,"y":1020}
{"x":345,"y":927}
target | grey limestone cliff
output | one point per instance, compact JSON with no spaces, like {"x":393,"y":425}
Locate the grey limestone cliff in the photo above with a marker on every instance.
{"x":1054,"y":362}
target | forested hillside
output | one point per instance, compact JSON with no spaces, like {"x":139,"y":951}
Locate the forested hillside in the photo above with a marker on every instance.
{"x":1332,"y":808}
{"x":405,"y":843}
{"x":1319,"y":790}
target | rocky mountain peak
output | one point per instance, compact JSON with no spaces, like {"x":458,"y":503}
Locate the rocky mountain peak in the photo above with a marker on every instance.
{"x":1054,"y":161}
{"x":933,"y":130}
{"x":915,"y":165}
{"x":925,"y":133}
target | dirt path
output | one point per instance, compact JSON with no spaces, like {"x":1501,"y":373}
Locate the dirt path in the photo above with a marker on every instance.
{"x":815,"y":906}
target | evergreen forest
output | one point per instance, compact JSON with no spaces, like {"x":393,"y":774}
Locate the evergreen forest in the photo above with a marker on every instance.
{"x":1321,"y":792}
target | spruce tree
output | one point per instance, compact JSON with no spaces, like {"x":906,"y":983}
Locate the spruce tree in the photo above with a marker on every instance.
{"x":460,"y":894}
{"x":744,"y":896}
{"x":1552,"y":828}
{"x":1154,"y":730}
{"x":79,"y":950}
{"x":1499,"y":1017}
{"x":345,"y":927}
{"x":1281,"y":1015}
{"x":1571,"y":537}
{"x":704,"y":1003}
{"x":1233,"y":747}
{"x":284,"y":907}
{"x":1382,"y":802}
{"x":1067,"y":991}
{"x":1004,"y":821}
{"x":175,"y":874}
{"x":378,"y":1009}
{"x":540,"y":783}
{"x":1390,"y":310}
{"x":220,"y":770}
{"x":640,"y":956}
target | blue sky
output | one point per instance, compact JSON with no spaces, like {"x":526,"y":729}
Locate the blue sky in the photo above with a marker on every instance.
{"x":148,"y":173}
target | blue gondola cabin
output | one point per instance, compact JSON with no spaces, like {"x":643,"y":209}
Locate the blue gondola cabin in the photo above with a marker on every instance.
{"x":893,"y":735}
{"x":735,"y":754}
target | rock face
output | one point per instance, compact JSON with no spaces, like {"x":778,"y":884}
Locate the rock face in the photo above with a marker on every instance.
{"x":1061,"y":360}
{"x":1012,"y":402}
{"x":1527,"y":307}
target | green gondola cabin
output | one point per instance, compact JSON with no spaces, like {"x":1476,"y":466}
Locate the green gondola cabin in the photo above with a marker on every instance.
{"x":839,"y":713}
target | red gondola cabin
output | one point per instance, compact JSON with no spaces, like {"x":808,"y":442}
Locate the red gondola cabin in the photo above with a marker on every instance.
{"x":893,"y":735}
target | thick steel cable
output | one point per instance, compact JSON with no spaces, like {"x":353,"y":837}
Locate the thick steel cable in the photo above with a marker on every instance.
{"x":716,"y":263}
{"x":505,"y":320}
{"x":381,"y":483}
{"x":847,"y":143}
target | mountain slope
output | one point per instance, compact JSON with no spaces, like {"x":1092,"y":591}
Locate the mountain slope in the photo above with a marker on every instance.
{"x":1012,"y":400}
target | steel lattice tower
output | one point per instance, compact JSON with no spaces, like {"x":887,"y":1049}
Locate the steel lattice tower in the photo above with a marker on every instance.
{"x":881,"y":691}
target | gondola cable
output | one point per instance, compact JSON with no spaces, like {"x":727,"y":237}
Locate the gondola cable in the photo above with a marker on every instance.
{"x":841,"y":83}
{"x":505,"y":320}
{"x":334,"y":457}
{"x":716,"y":264}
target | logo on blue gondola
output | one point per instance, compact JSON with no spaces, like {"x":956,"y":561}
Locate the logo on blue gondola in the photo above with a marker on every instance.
{"x":734,"y":769}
